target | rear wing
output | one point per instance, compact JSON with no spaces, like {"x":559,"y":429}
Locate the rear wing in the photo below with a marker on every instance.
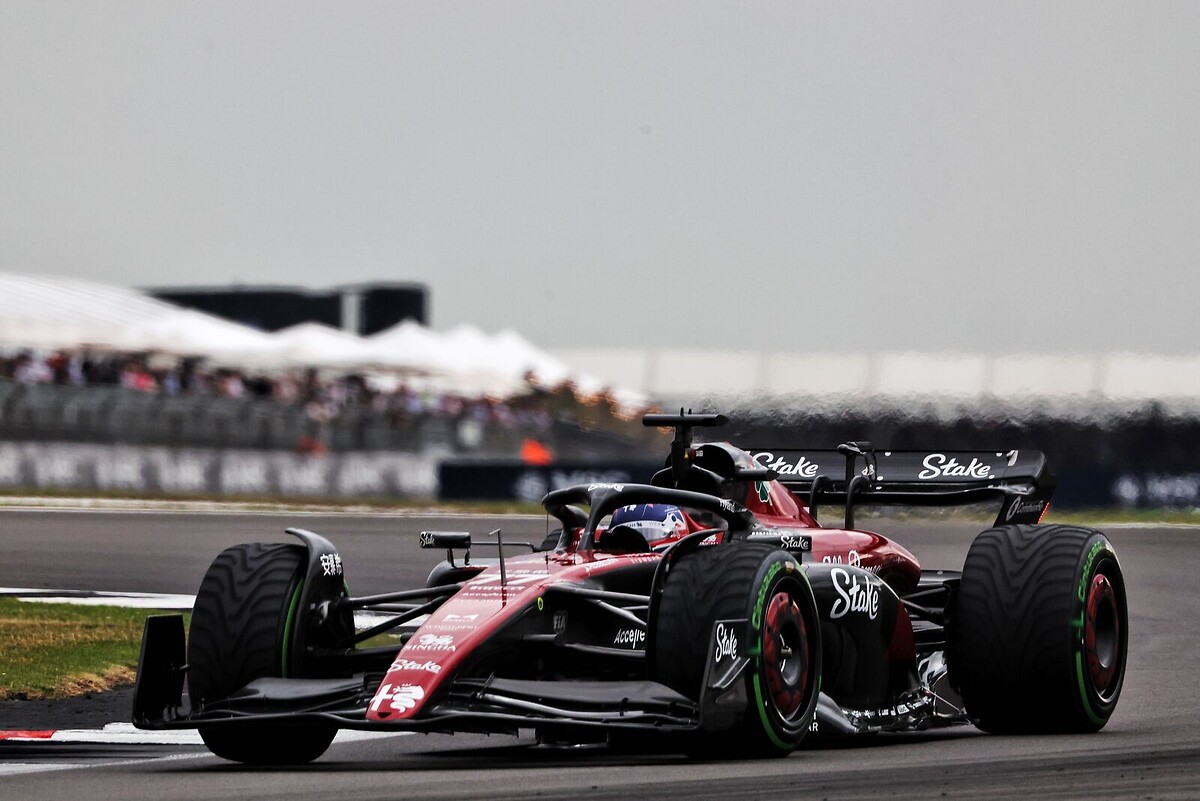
{"x":856,"y":473}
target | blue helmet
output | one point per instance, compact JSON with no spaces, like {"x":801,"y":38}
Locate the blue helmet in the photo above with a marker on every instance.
{"x":654,"y":521}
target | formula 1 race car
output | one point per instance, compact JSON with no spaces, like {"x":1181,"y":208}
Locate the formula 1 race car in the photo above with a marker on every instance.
{"x":741,"y":630}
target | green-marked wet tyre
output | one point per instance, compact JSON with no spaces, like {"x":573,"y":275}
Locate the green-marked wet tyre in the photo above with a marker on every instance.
{"x":243,"y":625}
{"x":1040,"y":630}
{"x":767,"y":586}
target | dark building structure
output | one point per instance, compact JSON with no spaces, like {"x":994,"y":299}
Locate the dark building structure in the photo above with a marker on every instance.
{"x":361,"y":308}
{"x":382,"y":306}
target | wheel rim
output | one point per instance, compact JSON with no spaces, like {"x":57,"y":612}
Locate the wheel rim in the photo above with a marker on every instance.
{"x":785,"y":654}
{"x":1102,"y":635}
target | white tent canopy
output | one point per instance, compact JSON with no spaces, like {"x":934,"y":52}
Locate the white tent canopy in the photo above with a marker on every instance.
{"x":410,"y":347}
{"x":184,"y":332}
{"x":48,"y":313}
{"x":467,"y":357}
{"x":60,"y":313}
{"x":309,"y":345}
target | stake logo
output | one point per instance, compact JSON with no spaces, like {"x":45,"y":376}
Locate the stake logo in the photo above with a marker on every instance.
{"x":853,"y":596}
{"x":801,"y":468}
{"x":727,"y":643}
{"x":428,"y":666}
{"x":938,"y":465}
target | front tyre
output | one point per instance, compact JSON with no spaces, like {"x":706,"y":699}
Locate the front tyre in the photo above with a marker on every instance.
{"x":1040,"y":633}
{"x":243,"y":624}
{"x":766,"y":586}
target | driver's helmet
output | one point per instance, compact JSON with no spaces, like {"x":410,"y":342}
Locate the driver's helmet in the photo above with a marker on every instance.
{"x":654,"y":521}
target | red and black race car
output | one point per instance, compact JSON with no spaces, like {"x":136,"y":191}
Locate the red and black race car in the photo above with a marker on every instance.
{"x":745,"y":629}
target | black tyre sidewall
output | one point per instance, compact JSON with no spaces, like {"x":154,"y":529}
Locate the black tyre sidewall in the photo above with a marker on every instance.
{"x":1099,"y":558}
{"x":220,"y":662}
{"x":1017,"y":648}
{"x":781,"y":572}
{"x":213,"y":681}
{"x":727,"y":582}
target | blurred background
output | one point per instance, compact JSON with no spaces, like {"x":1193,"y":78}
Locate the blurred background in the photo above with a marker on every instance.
{"x":109,"y":389}
{"x":420,"y":250}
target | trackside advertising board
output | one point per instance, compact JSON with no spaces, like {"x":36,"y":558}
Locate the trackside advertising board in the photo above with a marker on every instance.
{"x":201,"y":471}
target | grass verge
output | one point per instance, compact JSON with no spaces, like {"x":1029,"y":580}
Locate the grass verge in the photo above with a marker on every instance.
{"x":61,"y":650}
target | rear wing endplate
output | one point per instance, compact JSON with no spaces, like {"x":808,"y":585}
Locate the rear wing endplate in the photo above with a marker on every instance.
{"x":855,"y":473}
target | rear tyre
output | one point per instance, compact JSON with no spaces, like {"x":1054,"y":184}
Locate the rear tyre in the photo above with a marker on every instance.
{"x":1040,"y":631}
{"x":767,"y":586}
{"x":243,"y":624}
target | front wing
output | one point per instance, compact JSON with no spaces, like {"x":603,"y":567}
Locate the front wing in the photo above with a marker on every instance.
{"x":467,"y":704}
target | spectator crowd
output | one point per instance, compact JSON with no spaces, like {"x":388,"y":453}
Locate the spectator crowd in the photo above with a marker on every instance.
{"x":325,"y":399}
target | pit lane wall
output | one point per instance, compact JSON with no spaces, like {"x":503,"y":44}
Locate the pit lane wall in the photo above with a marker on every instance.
{"x":203,"y":471}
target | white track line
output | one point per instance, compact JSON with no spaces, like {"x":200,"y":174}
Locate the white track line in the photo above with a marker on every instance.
{"x":151,"y":600}
{"x":17,"y":768}
{"x":116,"y":734}
{"x":150,"y":506}
{"x":1175,"y":526}
{"x":127,"y":734}
{"x":133,"y":600}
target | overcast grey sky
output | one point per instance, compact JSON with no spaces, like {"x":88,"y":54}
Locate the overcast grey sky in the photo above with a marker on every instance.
{"x":777,"y":175}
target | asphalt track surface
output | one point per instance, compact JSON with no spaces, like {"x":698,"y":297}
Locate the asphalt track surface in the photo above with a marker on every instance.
{"x":1148,"y":750}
